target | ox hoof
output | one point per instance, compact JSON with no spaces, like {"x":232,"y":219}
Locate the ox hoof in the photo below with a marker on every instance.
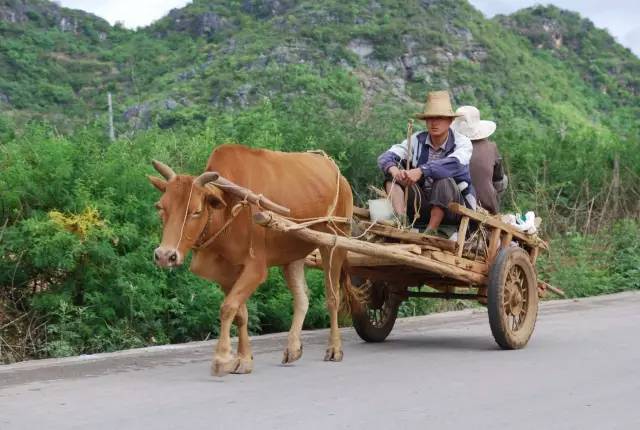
{"x":244,"y":366}
{"x":291,"y":355}
{"x":222,"y":367}
{"x":333,"y":354}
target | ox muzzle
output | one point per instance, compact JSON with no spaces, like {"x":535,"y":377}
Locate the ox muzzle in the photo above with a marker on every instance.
{"x":165,"y":256}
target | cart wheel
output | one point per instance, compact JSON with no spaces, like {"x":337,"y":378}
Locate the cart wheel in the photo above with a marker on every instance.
{"x":512,"y":299}
{"x":375,"y":320}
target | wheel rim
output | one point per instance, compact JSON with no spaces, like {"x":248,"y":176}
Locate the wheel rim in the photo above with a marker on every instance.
{"x":515,"y":304}
{"x":379,"y":315}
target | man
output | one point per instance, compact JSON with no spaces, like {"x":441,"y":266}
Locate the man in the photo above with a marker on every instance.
{"x":439,"y":166}
{"x":487,"y":175}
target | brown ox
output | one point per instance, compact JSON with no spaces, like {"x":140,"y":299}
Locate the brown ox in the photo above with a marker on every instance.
{"x":202,"y":215}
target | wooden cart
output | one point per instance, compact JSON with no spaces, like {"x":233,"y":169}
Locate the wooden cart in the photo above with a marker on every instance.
{"x":491,"y":262}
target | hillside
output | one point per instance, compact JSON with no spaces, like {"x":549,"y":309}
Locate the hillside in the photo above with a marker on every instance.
{"x":363,"y":65}
{"x":50,"y":61}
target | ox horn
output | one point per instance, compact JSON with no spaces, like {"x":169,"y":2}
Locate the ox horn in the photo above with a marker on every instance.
{"x":164,"y":170}
{"x":207,"y":177}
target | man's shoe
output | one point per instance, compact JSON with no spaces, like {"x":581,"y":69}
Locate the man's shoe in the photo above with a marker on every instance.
{"x":431,"y":232}
{"x":436,"y":233}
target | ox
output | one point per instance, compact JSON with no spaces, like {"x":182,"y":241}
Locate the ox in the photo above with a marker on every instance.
{"x":208,"y":216}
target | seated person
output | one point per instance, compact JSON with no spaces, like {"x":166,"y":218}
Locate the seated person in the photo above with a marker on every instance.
{"x":487,"y":174}
{"x":441,"y":173}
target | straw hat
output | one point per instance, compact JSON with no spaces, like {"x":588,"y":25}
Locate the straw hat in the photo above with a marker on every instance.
{"x":469,"y":123}
{"x":438,"y":105}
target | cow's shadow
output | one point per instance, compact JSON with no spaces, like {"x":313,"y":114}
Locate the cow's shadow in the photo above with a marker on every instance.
{"x":433,"y":342}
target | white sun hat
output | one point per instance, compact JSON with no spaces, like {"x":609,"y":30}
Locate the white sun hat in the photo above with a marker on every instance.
{"x":469,"y":123}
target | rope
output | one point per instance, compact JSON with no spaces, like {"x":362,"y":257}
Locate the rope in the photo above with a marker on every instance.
{"x":334,"y":204}
{"x":331,"y":223}
{"x":186,"y":214}
{"x":235,"y":210}
{"x":334,"y":292}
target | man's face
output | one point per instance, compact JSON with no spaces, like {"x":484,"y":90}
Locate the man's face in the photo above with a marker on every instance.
{"x":439,"y":125}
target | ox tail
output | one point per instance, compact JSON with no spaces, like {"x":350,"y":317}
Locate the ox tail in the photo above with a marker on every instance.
{"x":352,"y":299}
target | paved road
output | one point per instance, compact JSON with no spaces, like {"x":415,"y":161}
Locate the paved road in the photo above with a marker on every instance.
{"x":581,"y":370}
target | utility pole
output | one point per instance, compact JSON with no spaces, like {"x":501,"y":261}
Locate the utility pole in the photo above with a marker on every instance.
{"x":112,"y":135}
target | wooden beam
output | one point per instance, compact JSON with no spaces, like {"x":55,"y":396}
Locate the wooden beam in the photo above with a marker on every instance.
{"x":506,"y":240}
{"x":446,"y":296}
{"x":408,"y":236}
{"x":315,"y":259}
{"x":543,"y":286}
{"x":462,"y":234}
{"x":273,"y":221}
{"x":463,"y":263}
{"x":394,"y":275}
{"x":495,"y":221}
{"x":361,"y":212}
{"x":494,"y":245}
{"x":247,"y":194}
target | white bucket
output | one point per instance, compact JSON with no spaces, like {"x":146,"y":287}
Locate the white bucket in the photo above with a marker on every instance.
{"x":380,"y":210}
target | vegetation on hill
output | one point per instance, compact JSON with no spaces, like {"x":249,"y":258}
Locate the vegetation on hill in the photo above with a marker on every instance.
{"x":77,"y":225}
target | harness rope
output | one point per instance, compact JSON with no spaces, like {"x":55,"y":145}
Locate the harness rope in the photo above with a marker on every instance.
{"x":186,"y":214}
{"x":235,"y":210}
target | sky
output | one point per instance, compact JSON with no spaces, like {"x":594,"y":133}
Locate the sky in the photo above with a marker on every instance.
{"x":620,"y":17}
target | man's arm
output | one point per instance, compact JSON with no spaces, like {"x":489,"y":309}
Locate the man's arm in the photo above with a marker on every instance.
{"x":449,"y":167}
{"x":499,"y":179}
{"x":387,"y":160}
{"x":464,"y":149}
{"x":397,"y":153}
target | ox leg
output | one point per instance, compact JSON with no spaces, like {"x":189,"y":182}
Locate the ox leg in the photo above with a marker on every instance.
{"x":294,"y":275}
{"x":245,"y":357}
{"x":332,"y":262}
{"x":224,"y":362}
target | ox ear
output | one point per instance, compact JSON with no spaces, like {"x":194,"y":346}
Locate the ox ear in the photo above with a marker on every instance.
{"x":214,"y":196}
{"x":160,"y":184}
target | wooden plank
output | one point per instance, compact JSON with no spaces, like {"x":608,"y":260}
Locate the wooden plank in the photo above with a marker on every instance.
{"x":273,"y":221}
{"x":494,"y":245}
{"x":543,"y":286}
{"x":460,"y":262}
{"x":397,"y":276}
{"x":359,"y":260}
{"x":462,"y":234}
{"x":405,"y":276}
{"x":361,"y":212}
{"x":494,"y":221}
{"x":482,"y":292}
{"x":506,"y":240}
{"x":408,"y":236}
{"x":445,"y":296}
{"x":533,"y":255}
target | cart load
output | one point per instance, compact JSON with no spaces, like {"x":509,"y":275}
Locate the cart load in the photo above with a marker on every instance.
{"x":491,"y":262}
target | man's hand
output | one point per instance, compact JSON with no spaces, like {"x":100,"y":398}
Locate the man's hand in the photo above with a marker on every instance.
{"x":400,"y":176}
{"x":412,"y":176}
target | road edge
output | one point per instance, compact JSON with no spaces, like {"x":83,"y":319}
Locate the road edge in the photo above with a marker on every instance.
{"x":276,"y":341}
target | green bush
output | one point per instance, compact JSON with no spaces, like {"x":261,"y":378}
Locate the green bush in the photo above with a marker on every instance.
{"x":586,"y":265}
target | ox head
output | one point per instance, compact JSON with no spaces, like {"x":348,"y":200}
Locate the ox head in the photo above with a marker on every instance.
{"x":185,"y":209}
